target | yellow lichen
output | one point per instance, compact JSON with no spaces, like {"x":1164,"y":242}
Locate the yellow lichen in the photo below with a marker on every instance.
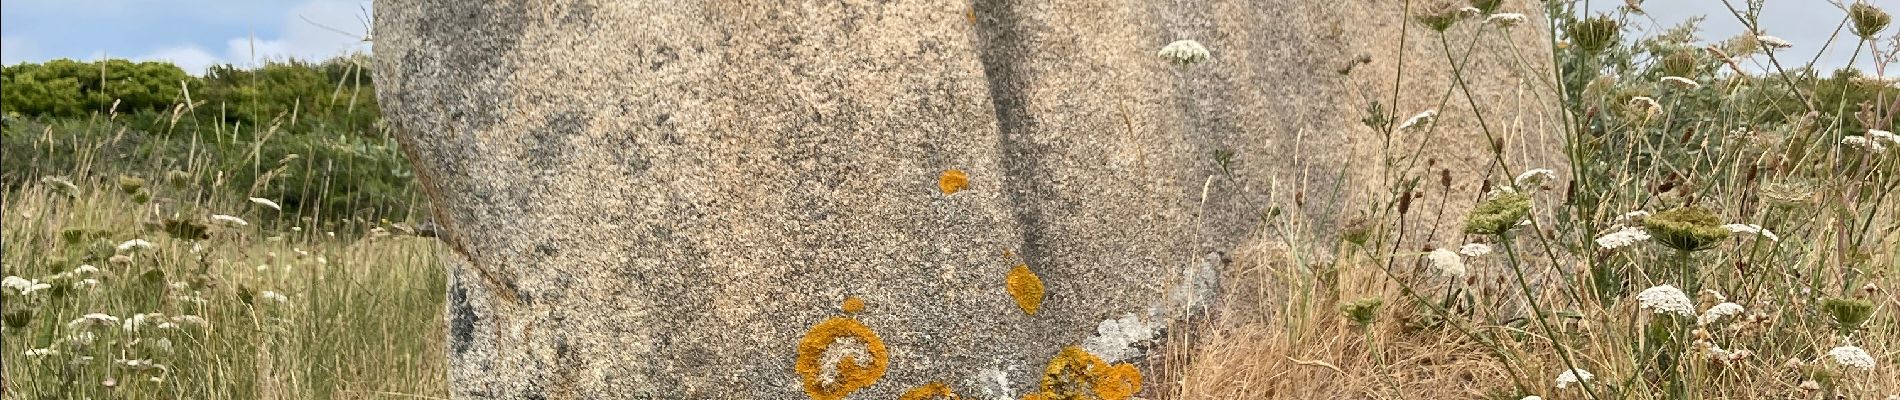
{"x":931,"y":391}
{"x":1120,"y":382}
{"x":953,"y":181}
{"x":853,"y":305}
{"x":1035,"y":396}
{"x":1075,"y":374}
{"x":1026,"y":287}
{"x":830,"y":358}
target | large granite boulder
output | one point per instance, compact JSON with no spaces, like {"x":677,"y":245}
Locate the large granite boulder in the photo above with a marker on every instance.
{"x":761,"y":199}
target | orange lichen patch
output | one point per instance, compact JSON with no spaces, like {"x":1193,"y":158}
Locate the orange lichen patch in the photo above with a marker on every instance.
{"x":1075,"y":374}
{"x":853,"y":305}
{"x":1120,"y":382}
{"x":1026,"y":287}
{"x":833,"y":358}
{"x":1035,"y":396}
{"x":931,"y":391}
{"x":953,"y":181}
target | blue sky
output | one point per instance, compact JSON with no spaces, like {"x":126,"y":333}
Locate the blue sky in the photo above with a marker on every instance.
{"x":193,"y":33}
{"x":199,"y":33}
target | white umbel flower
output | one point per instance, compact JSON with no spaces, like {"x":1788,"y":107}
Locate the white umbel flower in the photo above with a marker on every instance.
{"x":267,"y":203}
{"x":1535,"y":178}
{"x":1573,"y":377}
{"x":1852,"y":357}
{"x":1532,"y":398}
{"x":135,"y":244}
{"x":85,"y":269}
{"x":39,"y":353}
{"x":1718,"y":312}
{"x":93,"y":319}
{"x":1505,"y":19}
{"x":1773,"y":43}
{"x":1681,"y":82}
{"x":1184,"y":52}
{"x":1666,"y":299}
{"x":274,"y":296}
{"x":23,"y":285}
{"x":1624,"y":237}
{"x":1448,"y":263}
{"x":190,"y":320}
{"x":1863,"y":143}
{"x":229,"y":221}
{"x":1419,"y":122}
{"x":1752,"y":229}
{"x":1880,"y":135}
{"x":1474,"y":250}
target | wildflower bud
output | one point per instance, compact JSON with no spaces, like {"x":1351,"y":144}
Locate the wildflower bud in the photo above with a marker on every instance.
{"x":1362,"y":312}
{"x":1593,"y":35}
{"x":1357,"y":231}
{"x":1405,"y":203}
{"x":1688,"y":228}
{"x":1810,"y":385}
{"x":1681,"y":63}
{"x":1793,"y":363}
{"x":1870,"y":289}
{"x":1868,"y":20}
{"x":17,"y":319}
{"x":1499,"y":214}
{"x":1444,"y":178}
{"x":1487,"y":6}
{"x":1848,"y":314}
{"x":1184,"y":52}
{"x":178,"y":179}
{"x":131,"y":184}
{"x":1441,"y":15}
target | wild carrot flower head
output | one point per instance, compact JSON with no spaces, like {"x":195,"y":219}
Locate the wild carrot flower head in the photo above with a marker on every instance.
{"x":1847,"y":313}
{"x":1666,"y":299}
{"x":1572,"y":377}
{"x":93,"y":319}
{"x":274,"y":296}
{"x":1594,"y":34}
{"x":1868,"y":20}
{"x":1474,"y":250}
{"x":229,"y":221}
{"x":1752,"y":229}
{"x":1687,"y":228}
{"x":1535,"y":178}
{"x":1184,"y":52}
{"x":1883,"y":136}
{"x":24,"y":286}
{"x":1719,"y":311}
{"x":1448,"y":263}
{"x":1505,"y":20}
{"x":1419,"y":122}
{"x":1498,"y":214}
{"x":1772,"y":43}
{"x":1852,"y":357}
{"x":266,"y":203}
{"x":1863,"y":143}
{"x":1681,"y":82}
{"x":134,"y":245}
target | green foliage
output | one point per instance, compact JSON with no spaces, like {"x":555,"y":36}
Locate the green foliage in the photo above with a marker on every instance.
{"x":1687,"y":228}
{"x":305,"y":134}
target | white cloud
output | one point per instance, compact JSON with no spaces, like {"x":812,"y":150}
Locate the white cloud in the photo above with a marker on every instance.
{"x":14,"y":49}
{"x":191,"y":58}
{"x":313,"y":30}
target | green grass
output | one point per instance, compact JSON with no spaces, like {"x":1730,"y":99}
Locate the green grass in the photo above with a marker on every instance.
{"x":362,"y":317}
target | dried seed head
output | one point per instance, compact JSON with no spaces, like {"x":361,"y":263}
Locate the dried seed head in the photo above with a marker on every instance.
{"x":1595,"y":34}
{"x":1868,"y":20}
